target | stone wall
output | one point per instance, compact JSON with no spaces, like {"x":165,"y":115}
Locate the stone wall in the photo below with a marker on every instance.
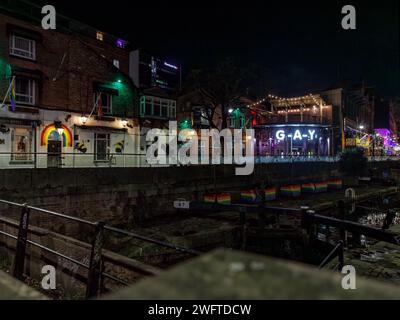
{"x":124,"y":197}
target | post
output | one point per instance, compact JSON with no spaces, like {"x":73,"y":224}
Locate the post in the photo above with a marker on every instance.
{"x":19,"y":260}
{"x":95,"y":266}
{"x":307,"y":224}
{"x":341,"y":256}
{"x":342,"y":216}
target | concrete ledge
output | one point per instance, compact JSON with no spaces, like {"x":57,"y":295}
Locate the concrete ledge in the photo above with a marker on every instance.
{"x":11,"y":289}
{"x":234,"y":275}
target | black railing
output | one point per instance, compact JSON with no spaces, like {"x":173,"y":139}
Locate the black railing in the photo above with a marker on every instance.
{"x":95,"y":269}
{"x":338,"y":252}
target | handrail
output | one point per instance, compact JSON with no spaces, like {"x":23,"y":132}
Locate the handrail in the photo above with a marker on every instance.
{"x":58,"y":254}
{"x":337,"y":251}
{"x":155,"y":241}
{"x":56,"y":214}
{"x":95,"y":270}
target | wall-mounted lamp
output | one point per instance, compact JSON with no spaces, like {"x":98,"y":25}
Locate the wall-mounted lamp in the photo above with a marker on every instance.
{"x":59,"y":127}
{"x":84,"y":119}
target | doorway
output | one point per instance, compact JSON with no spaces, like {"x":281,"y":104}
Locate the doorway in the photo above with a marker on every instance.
{"x":54,"y":149}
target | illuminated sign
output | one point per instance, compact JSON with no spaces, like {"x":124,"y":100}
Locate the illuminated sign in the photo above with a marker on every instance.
{"x":297,"y":135}
{"x":170,"y":65}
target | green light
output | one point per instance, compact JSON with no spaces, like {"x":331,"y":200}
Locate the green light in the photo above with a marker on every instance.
{"x":119,"y":81}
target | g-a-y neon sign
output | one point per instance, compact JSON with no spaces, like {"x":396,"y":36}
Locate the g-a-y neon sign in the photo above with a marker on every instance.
{"x":298,"y":135}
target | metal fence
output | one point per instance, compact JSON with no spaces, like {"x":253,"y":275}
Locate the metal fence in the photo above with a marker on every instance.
{"x":96,"y":274}
{"x":134,"y":160}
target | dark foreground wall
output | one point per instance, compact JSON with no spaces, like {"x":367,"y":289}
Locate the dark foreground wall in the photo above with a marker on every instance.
{"x":127,"y":196}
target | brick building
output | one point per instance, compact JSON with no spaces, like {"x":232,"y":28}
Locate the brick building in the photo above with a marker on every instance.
{"x":75,"y":103}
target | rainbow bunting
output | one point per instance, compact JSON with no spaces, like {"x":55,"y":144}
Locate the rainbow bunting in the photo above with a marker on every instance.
{"x":224,"y":198}
{"x":335,"y":184}
{"x":291,"y":191}
{"x":210,"y":198}
{"x":13,"y":95}
{"x":321,"y":187}
{"x":308,"y":188}
{"x":270,"y":194}
{"x":248,"y":196}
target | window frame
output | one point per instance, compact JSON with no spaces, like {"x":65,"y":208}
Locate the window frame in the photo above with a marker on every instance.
{"x":32,"y":91}
{"x":13,"y":48}
{"x":110,"y":100}
{"x":116,"y":63}
{"x":147,"y":107}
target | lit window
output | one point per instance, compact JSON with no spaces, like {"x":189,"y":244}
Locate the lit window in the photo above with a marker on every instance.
{"x":22,"y":47}
{"x":116,"y":63}
{"x":100,"y":36}
{"x":21,"y":144}
{"x":25,"y":91}
{"x":101,"y":147}
{"x":104,"y":103}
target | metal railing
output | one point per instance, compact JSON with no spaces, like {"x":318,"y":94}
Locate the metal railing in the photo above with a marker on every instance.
{"x":338,"y":252}
{"x":10,"y":160}
{"x":95,"y":269}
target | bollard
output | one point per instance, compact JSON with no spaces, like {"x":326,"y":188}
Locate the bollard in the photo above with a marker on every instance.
{"x":95,"y":266}
{"x":19,"y":260}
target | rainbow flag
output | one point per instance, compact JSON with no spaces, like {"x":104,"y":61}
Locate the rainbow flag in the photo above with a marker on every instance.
{"x":308,"y":188}
{"x":224,"y":198}
{"x":13,"y":95}
{"x":99,"y":106}
{"x":291,"y":191}
{"x":270,"y":194}
{"x":210,"y":198}
{"x":335,"y":184}
{"x":321,"y":187}
{"x":248,"y":196}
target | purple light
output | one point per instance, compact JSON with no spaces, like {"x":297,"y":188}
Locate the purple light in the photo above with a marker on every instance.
{"x":170,"y":65}
{"x":385,"y":134}
{"x":121,"y":43}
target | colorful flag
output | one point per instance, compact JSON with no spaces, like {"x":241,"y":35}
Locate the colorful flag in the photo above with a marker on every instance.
{"x":12,"y":95}
{"x":99,"y":106}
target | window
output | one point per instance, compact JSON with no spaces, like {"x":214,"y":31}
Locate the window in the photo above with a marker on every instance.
{"x":22,"y":47}
{"x":116,"y":63}
{"x":172,"y":110}
{"x":21,"y":144}
{"x":104,"y":102}
{"x":100,"y":36}
{"x":101,"y":147}
{"x":157,"y":107}
{"x":25,"y":91}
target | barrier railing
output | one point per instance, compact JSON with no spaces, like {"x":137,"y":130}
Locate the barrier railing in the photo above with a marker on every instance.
{"x":10,"y":160}
{"x":95,"y":267}
{"x":338,"y":252}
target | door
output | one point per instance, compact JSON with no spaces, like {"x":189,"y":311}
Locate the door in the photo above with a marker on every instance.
{"x":54,"y":154}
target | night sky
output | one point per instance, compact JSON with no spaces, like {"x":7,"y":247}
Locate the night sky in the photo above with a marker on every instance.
{"x":299,"y":45}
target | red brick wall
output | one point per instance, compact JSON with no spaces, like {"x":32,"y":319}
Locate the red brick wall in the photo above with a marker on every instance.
{"x":84,"y":64}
